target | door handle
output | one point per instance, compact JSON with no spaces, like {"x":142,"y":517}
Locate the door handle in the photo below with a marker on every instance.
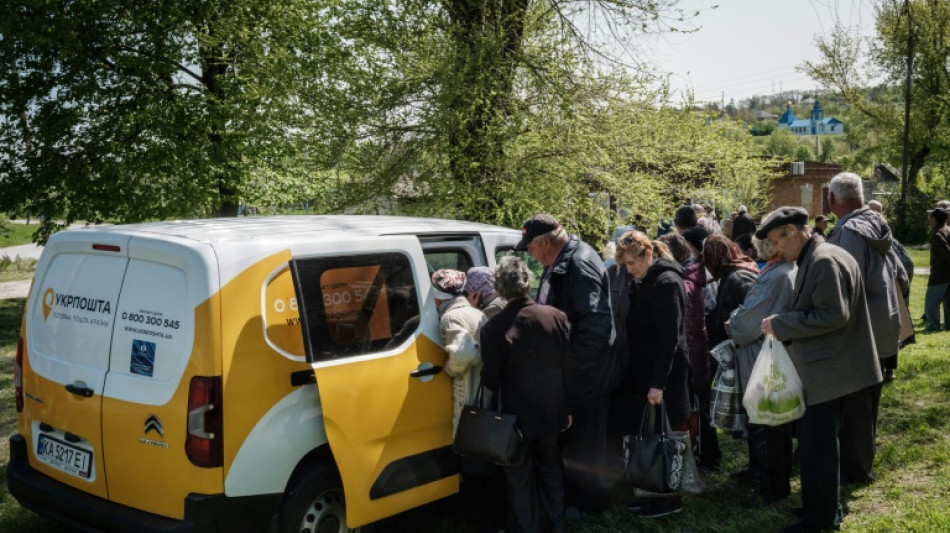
{"x":425,"y":371}
{"x":80,"y":388}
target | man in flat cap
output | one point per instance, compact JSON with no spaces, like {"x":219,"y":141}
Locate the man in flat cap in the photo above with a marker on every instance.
{"x":828,"y":334}
{"x":865,"y":235}
{"x":575,"y":281}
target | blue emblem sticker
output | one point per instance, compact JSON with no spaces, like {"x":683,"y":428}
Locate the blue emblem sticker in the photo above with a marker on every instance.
{"x":143,"y":358}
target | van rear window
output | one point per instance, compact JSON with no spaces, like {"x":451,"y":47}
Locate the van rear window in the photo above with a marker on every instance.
{"x":355,"y":305}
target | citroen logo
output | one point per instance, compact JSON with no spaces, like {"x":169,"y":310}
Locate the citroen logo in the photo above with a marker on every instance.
{"x":153,"y":423}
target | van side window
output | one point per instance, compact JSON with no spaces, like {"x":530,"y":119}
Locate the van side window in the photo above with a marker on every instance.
{"x":451,"y":259}
{"x":356,"y":305}
{"x":533,"y":264}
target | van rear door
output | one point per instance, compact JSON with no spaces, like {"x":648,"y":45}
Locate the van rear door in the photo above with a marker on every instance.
{"x":371,"y":334}
{"x":69,"y":331}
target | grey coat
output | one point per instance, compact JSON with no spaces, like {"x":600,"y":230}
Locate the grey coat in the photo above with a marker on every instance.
{"x":771,"y":294}
{"x":827,"y":329}
{"x":866,"y":236}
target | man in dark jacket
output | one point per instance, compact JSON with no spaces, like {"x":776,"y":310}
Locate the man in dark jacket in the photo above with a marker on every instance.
{"x":575,"y":281}
{"x":526,"y":353}
{"x":865,"y":235}
{"x":829,"y":338}
{"x":743,"y":224}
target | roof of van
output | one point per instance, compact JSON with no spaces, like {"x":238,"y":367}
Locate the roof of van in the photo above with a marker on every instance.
{"x":230,"y":229}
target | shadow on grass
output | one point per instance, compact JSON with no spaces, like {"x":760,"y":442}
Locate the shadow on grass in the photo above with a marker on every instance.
{"x":10,"y":313}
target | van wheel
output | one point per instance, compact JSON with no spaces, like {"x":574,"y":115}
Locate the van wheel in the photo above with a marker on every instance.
{"x":315,"y":504}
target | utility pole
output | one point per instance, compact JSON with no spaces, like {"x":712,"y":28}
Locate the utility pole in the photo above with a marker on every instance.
{"x":911,"y":42}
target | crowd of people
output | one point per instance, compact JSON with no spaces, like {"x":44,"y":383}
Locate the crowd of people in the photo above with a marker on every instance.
{"x":578,"y":359}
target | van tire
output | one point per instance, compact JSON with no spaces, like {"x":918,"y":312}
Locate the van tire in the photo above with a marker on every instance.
{"x":314,"y":503}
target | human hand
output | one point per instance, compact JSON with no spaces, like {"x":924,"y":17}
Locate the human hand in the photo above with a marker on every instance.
{"x":767,"y":325}
{"x":655,"y":396}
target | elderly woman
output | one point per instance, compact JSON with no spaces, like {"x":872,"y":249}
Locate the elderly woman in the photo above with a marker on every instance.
{"x":526,"y":348}
{"x":770,"y":448}
{"x":481,"y":291}
{"x":460,"y":325}
{"x":656,"y":334}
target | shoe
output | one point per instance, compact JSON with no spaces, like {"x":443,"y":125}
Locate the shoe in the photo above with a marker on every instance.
{"x":661,"y":507}
{"x":638,"y":504}
{"x":861,"y":482}
{"x":888,"y":376}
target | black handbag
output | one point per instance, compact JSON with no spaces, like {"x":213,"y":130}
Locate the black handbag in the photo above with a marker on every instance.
{"x":656,"y":461}
{"x":488,"y":434}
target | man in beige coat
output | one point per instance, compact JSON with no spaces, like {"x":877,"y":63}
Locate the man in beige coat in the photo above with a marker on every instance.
{"x":828,"y":333}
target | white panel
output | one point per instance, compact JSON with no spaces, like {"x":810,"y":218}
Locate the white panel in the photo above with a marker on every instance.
{"x":72,"y":314}
{"x":155,"y":318}
{"x":286,"y":433}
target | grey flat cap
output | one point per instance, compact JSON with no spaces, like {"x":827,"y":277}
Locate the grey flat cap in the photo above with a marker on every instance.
{"x":780,"y":217}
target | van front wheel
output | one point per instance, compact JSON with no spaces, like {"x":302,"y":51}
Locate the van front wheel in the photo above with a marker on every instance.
{"x":315,"y":504}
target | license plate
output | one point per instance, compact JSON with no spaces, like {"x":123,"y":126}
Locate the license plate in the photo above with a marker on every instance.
{"x":64,"y":456}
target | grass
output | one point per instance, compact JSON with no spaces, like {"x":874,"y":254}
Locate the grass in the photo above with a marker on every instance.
{"x":912,"y":491}
{"x":17,"y":234}
{"x":18,"y":268}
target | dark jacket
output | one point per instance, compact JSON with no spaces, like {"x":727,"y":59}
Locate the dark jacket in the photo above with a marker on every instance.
{"x":832,"y":344}
{"x":865,"y":235}
{"x":694,"y":279}
{"x":939,"y":256}
{"x":659,"y":357}
{"x":742,"y":225}
{"x":732,"y":290}
{"x":526,"y":352}
{"x":620,"y":304}
{"x":579,"y":288}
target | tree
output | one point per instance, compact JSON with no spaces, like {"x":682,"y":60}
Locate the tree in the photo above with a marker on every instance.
{"x":917,"y":30}
{"x":175,"y":109}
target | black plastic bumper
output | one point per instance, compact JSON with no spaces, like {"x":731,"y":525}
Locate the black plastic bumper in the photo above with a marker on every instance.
{"x":204,"y":513}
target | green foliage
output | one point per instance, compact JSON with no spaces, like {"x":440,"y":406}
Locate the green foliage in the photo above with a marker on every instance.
{"x":843,"y":68}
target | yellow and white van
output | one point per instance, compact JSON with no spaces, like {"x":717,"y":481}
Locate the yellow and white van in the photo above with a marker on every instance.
{"x":247,"y":374}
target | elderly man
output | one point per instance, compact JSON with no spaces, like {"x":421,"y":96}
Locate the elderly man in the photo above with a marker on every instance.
{"x":828,"y":333}
{"x":575,"y":281}
{"x":865,"y":235}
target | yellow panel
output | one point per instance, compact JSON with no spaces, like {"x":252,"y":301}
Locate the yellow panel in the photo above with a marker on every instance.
{"x":374,"y":414}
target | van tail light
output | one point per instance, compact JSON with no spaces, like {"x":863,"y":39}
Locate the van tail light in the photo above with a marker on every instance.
{"x":18,"y":375}
{"x":205,"y":445}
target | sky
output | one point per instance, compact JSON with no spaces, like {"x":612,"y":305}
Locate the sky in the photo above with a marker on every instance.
{"x":749,"y":47}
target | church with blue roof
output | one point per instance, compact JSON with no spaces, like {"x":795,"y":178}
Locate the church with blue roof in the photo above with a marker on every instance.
{"x":816,"y":124}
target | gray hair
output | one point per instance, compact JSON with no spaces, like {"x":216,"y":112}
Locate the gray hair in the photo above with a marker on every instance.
{"x":847,"y":186}
{"x":558,"y":234}
{"x":763,"y":247}
{"x":513,"y":278}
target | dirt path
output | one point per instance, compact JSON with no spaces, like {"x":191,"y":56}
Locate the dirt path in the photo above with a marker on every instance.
{"x":14,"y":289}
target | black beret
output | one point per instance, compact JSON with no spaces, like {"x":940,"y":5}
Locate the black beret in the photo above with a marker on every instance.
{"x":781,"y":217}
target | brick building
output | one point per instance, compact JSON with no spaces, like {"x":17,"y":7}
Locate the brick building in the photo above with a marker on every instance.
{"x":805,"y":184}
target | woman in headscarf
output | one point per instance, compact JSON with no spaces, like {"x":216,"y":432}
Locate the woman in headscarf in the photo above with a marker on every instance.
{"x":656,"y":333}
{"x":460,"y":325}
{"x":480,"y":289}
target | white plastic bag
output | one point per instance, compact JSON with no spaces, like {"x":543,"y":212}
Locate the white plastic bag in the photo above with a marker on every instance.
{"x":775,"y":394}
